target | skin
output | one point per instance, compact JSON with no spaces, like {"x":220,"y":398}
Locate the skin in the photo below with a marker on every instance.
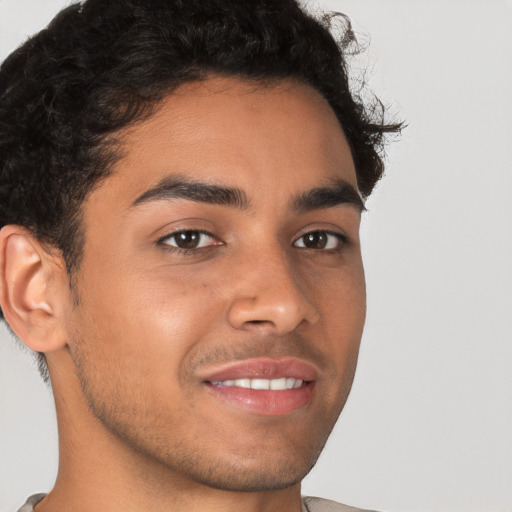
{"x":131,"y":344}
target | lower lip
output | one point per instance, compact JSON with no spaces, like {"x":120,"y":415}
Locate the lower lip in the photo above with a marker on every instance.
{"x":265,"y":402}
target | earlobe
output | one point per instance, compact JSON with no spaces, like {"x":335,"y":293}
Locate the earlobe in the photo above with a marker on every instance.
{"x":29,"y":290}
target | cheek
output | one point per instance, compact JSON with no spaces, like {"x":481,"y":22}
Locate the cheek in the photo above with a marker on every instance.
{"x":341,"y":296}
{"x":145,"y":321}
{"x":342,"y":302}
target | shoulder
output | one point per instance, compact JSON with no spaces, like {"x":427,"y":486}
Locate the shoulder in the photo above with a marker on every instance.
{"x":29,"y":504}
{"x":312,"y":504}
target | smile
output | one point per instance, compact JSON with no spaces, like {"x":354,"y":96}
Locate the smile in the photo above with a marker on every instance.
{"x":263,"y":386}
{"x":281,"y":384}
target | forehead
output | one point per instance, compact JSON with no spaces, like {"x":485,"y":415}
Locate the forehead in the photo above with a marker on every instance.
{"x":236,"y":133}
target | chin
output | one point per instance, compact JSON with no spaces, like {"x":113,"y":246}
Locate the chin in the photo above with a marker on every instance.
{"x":253,"y":470}
{"x":237,"y":479}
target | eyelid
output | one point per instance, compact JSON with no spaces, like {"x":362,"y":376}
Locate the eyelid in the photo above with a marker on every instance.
{"x":175,"y":232}
{"x":341,"y":237}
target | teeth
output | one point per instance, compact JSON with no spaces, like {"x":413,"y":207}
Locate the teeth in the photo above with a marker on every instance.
{"x":260,"y":384}
{"x":273,"y":384}
{"x":278,"y":384}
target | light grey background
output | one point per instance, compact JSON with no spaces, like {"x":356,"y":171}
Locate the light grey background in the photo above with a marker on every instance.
{"x":428,"y":425}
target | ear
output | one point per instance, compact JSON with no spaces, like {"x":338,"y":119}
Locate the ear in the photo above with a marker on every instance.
{"x":33,"y":290}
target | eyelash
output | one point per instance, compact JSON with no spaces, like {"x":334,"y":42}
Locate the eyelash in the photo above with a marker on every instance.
{"x":342,"y":240}
{"x":184,"y":251}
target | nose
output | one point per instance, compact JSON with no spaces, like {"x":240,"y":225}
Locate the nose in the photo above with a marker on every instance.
{"x":269,"y":295}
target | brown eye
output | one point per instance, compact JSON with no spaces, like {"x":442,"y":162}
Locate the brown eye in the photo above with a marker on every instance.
{"x":316,"y":240}
{"x":320,"y":240}
{"x":189,"y":239}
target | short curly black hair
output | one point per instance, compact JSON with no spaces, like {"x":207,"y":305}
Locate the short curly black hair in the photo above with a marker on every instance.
{"x":102,"y":65}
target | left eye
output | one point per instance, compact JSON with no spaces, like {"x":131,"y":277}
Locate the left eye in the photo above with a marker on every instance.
{"x":189,"y":239}
{"x":320,"y":240}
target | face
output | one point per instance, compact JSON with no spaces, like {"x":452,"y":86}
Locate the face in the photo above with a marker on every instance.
{"x":221,"y":295}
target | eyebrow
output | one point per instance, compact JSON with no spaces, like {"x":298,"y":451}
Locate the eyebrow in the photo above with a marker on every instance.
{"x":340,"y":193}
{"x":179,"y":187}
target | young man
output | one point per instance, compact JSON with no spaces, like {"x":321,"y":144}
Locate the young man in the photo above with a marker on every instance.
{"x":181,"y":190}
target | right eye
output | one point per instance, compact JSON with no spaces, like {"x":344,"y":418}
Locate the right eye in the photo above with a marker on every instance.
{"x":189,"y":239}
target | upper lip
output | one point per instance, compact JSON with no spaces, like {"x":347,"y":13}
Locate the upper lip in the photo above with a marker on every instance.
{"x":263,"y":368}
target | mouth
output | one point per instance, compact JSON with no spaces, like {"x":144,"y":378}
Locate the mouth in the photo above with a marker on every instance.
{"x":264,"y":386}
{"x":280,"y":384}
